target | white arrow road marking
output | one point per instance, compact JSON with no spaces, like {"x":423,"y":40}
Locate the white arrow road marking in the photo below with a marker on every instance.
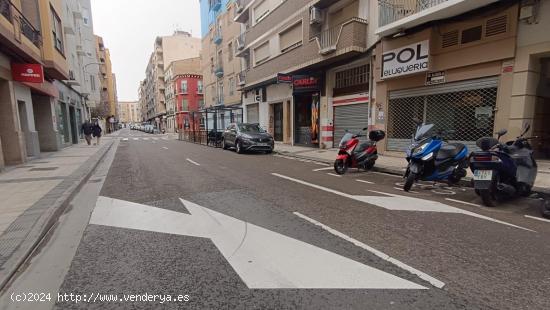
{"x":401,"y":203}
{"x":435,"y":282}
{"x":193,"y":162}
{"x":263,"y":259}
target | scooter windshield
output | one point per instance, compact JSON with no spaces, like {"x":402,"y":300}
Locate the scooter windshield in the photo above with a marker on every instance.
{"x":423,"y":131}
{"x":348,"y":136}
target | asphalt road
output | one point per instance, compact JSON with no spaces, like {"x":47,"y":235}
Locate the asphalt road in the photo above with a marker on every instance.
{"x":254,"y":231}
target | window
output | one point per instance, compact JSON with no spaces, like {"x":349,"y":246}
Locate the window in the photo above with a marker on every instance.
{"x":201,"y":103}
{"x":231,"y":86}
{"x":185,"y":105}
{"x":199,"y":86}
{"x":92,"y":82}
{"x":85,"y":17}
{"x":184,"y":86}
{"x":291,"y":37}
{"x":471,"y":35}
{"x":230,"y":51}
{"x":352,"y":80}
{"x":57,"y":31}
{"x":261,"y":10}
{"x":261,"y":53}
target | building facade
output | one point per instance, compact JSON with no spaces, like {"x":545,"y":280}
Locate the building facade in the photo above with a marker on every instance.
{"x":31,"y":58}
{"x":129,"y":112}
{"x":184,"y":91}
{"x":167,"y":49}
{"x":107,"y":110}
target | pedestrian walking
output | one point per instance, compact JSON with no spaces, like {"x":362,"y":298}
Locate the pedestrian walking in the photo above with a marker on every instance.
{"x":87,"y":130}
{"x":96,"y":132}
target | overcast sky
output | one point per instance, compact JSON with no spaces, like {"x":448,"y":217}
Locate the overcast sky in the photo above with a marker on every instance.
{"x":129,"y":29}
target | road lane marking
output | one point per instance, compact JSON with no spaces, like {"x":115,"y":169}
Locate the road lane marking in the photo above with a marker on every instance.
{"x":364,"y":181}
{"x":324,"y":168}
{"x":433,"y":281}
{"x":334,"y":175}
{"x":155,"y":138}
{"x":262,"y":258}
{"x":135,"y":139}
{"x":145,"y":138}
{"x":164,"y":147}
{"x":401,"y":203}
{"x":387,"y":174}
{"x":400,"y":189}
{"x":124,"y":139}
{"x":464,"y":202}
{"x":537,"y":218}
{"x":193,"y":162}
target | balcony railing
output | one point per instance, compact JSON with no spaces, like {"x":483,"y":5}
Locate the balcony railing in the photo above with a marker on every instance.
{"x":241,"y":39}
{"x":215,"y":5}
{"x":241,"y":78}
{"x":328,"y":39}
{"x":240,"y":5}
{"x":218,"y":71}
{"x":12,"y":14}
{"x":217,"y":37}
{"x":394,"y":10}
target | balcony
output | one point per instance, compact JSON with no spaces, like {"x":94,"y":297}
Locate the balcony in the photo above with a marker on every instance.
{"x":218,"y":71}
{"x":215,"y":5}
{"x":329,"y":40}
{"x":397,"y":15}
{"x":20,"y":23}
{"x":241,"y":10}
{"x":241,"y":78}
{"x":217,"y":37}
{"x":240,"y":42}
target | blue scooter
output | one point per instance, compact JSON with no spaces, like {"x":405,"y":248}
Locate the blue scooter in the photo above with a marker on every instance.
{"x":433,"y":159}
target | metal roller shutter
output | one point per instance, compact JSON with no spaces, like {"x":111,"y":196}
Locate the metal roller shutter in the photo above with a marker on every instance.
{"x":352,"y":117}
{"x":252,"y":113}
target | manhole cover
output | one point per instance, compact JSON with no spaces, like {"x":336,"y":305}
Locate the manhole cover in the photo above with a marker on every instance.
{"x":44,"y":169}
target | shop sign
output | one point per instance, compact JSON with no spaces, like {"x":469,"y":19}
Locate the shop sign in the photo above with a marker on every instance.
{"x":305,"y":83}
{"x":437,"y":77}
{"x":30,"y":73}
{"x":284,"y":78}
{"x":405,"y":60}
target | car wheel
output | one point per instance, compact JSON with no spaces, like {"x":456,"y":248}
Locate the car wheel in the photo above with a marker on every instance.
{"x":545,"y":209}
{"x":239,"y":147}
{"x":224,"y":146}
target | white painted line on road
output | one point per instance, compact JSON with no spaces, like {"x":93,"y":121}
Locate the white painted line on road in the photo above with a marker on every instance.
{"x":433,"y":281}
{"x":164,"y":138}
{"x":124,"y":139}
{"x":387,"y":174}
{"x":164,"y":147}
{"x":262,"y":258}
{"x":401,"y":203}
{"x":320,"y":163}
{"x":135,"y":139}
{"x":193,"y":162}
{"x":400,"y":189}
{"x":464,"y":202}
{"x":325,"y":168}
{"x":155,"y":138}
{"x":537,"y":218}
{"x":334,"y":175}
{"x":145,"y":138}
{"x":363,"y":181}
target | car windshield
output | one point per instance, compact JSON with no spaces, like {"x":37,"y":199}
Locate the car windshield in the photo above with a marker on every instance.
{"x":250,"y":128}
{"x":423,"y":131}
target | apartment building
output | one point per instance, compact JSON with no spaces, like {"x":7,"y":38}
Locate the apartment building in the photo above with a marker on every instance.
{"x":306,"y":71}
{"x":142,"y":101}
{"x":167,"y":49}
{"x":108,"y":108}
{"x":31,"y":57}
{"x":184,"y":92}
{"x":129,"y":112}
{"x":80,"y":91}
{"x":221,"y":69}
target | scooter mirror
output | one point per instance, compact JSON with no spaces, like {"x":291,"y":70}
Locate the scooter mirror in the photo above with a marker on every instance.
{"x":417,"y":121}
{"x":501,"y":133}
{"x":526,"y":129}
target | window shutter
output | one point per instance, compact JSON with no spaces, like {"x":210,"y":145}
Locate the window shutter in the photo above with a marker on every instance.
{"x":261,"y":52}
{"x":496,"y":25}
{"x":290,"y":36}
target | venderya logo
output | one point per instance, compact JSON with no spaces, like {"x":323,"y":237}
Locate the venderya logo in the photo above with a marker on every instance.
{"x":405,"y":60}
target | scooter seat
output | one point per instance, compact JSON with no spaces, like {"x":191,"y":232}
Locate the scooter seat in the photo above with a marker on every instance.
{"x":363,"y":146}
{"x":450,"y":150}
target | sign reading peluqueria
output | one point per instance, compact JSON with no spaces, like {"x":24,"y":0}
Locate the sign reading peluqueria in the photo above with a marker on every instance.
{"x":406,"y":60}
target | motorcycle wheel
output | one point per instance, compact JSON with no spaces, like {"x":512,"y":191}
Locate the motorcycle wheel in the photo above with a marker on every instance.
{"x":340,"y":166}
{"x":545,"y":209}
{"x":487,"y":197}
{"x":411,"y":177}
{"x":369,"y":164}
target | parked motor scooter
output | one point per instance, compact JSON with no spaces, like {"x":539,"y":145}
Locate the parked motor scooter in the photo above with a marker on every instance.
{"x":503,"y":170}
{"x":433,"y":159}
{"x":355,"y":155}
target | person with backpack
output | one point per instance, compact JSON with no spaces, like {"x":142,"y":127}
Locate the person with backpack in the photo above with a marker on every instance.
{"x":96,"y":132}
{"x":87,"y":130}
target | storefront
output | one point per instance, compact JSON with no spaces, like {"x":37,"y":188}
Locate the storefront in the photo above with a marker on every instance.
{"x":307,"y":93}
{"x":351,"y":113}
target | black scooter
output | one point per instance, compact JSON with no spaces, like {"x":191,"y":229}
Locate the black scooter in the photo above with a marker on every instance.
{"x":503,"y":171}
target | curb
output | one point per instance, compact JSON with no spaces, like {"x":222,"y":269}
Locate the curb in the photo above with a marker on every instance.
{"x":49,"y":217}
{"x":466,"y":182}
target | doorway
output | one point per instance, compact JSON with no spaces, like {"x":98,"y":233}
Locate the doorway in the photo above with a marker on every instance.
{"x":306,"y":119}
{"x":24,"y":123}
{"x":542,"y":113}
{"x":74,"y":131}
{"x":278,"y":121}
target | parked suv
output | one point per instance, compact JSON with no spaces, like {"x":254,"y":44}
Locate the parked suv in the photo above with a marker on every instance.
{"x":247,"y":137}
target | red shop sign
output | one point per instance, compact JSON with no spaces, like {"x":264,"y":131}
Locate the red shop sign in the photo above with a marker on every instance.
{"x":30,"y":73}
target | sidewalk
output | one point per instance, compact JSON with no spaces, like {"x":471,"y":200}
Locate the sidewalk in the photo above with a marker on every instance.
{"x":394,"y":165}
{"x":35,"y":194}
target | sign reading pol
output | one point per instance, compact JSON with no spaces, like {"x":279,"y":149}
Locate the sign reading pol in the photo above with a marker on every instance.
{"x":405,"y":60}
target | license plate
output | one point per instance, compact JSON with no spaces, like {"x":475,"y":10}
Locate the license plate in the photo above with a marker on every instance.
{"x":262,"y":144}
{"x":483,"y":175}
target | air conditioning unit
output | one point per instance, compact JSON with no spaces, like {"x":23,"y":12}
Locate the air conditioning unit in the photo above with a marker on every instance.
{"x":315,"y":16}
